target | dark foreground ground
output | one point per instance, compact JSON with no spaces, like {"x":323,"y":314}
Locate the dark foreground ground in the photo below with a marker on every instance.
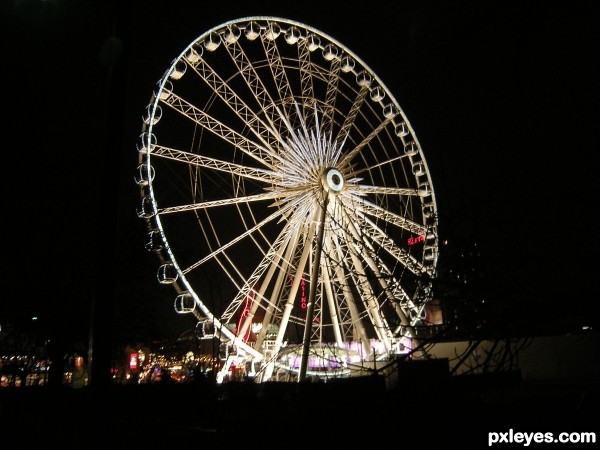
{"x":355,"y":413}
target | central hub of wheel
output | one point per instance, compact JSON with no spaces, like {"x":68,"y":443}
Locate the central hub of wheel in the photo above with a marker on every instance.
{"x":333,"y":180}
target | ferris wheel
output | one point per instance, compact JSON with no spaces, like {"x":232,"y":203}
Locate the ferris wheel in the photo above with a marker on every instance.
{"x":288,"y":200}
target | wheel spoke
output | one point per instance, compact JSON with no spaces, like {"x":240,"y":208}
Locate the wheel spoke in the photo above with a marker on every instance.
{"x":258,"y":152}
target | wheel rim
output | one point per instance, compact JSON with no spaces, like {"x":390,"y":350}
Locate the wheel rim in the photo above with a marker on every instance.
{"x":278,"y":175}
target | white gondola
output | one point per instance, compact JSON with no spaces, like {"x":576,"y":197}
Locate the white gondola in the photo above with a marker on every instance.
{"x":431,"y":237}
{"x":273,"y":31}
{"x":155,"y":243}
{"x":152,"y":117}
{"x":418,"y":169}
{"x":428,"y":210}
{"x":167,"y":274}
{"x":185,"y":303}
{"x":165,"y":91}
{"x":252,"y":31}
{"x":330,"y":52}
{"x":364,"y":79}
{"x":313,"y":42}
{"x":347,"y":64}
{"x":194,"y":54}
{"x":144,"y":175}
{"x":145,"y":142}
{"x":179,"y":69}
{"x":232,"y":34}
{"x":401,"y":129}
{"x":424,"y":189}
{"x":292,"y":35}
{"x":212,"y":42}
{"x":429,"y":253}
{"x":390,"y":111}
{"x":205,"y":329}
{"x":377,"y":94}
{"x":146,"y":209}
{"x":411,"y":149}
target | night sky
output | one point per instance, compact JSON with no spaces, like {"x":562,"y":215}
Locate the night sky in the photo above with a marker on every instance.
{"x":502,"y":97}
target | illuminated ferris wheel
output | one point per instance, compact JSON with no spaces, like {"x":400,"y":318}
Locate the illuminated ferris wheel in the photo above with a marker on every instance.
{"x":288,"y":200}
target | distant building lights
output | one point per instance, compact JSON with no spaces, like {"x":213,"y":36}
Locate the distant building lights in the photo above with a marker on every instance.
{"x":133,"y":361}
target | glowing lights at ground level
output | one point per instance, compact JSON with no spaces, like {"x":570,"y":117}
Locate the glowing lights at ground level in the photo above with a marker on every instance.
{"x":142,"y":366}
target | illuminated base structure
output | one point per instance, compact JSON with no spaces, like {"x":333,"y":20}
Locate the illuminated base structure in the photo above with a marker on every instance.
{"x":288,"y":200}
{"x":324,"y":362}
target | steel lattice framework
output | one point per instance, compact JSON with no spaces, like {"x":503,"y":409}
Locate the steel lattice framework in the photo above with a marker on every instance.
{"x":288,"y":199}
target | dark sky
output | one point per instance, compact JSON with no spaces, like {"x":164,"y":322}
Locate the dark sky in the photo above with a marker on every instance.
{"x":502,"y":97}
